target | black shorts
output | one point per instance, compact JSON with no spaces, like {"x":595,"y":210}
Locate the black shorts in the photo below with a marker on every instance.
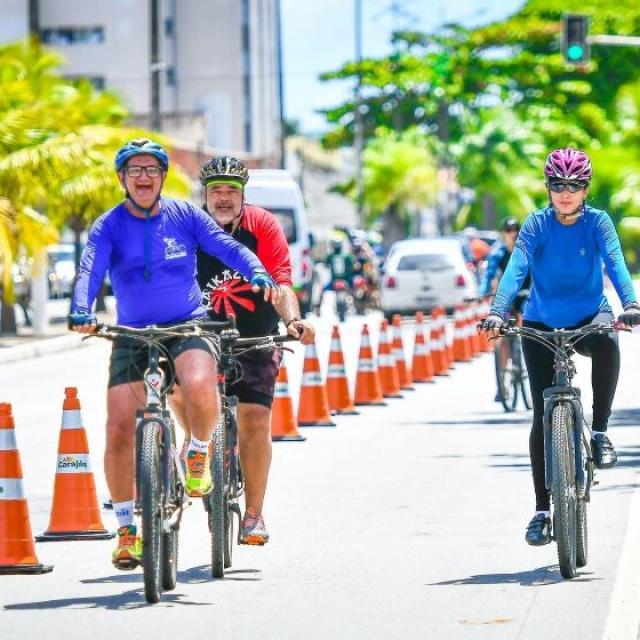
{"x":130,"y":357}
{"x":259,"y":373}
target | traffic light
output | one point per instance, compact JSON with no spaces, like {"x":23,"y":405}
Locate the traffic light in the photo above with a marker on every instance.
{"x":575,"y":41}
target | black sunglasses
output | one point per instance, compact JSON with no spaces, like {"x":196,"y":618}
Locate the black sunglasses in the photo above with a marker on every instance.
{"x":571,"y":187}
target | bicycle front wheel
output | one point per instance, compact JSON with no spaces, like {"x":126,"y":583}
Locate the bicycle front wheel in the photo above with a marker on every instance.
{"x":563,"y":489}
{"x":150,"y":482}
{"x":505,"y":380}
{"x":218,"y":507}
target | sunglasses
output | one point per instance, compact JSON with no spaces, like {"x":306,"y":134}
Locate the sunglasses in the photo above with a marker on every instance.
{"x":135,"y":171}
{"x":571,"y":187}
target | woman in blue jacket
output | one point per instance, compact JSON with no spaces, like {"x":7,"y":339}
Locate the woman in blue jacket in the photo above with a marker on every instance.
{"x":563,"y":247}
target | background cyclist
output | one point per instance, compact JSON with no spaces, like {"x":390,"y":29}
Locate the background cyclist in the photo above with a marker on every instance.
{"x":496,"y":266}
{"x":564,"y":245}
{"x":226,"y":292}
{"x":148,"y":244}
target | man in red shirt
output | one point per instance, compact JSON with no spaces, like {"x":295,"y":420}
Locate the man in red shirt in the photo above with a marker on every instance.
{"x":226,"y":292}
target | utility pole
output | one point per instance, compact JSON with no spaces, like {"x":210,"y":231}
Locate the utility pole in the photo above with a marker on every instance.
{"x":280,"y":84}
{"x":34,"y":18}
{"x":358,"y":133}
{"x":156,"y":66}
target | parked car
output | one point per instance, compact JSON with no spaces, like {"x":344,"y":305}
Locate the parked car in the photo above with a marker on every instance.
{"x":424,"y":273}
{"x":277,"y":191}
{"x":62,"y":270}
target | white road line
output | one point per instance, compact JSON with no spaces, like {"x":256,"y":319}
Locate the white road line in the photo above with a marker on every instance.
{"x":623,"y":620}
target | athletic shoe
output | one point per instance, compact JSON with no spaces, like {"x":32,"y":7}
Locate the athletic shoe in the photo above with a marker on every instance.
{"x":128,"y":553}
{"x":252,"y":530}
{"x":198,"y":475}
{"x":604,"y":455}
{"x":539,"y":530}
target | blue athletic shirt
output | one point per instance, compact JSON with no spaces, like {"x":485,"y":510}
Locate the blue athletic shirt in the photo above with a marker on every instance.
{"x":565,"y":262}
{"x":171,"y":294}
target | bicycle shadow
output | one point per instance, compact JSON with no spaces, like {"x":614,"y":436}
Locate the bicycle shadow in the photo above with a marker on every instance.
{"x":517,"y":461}
{"x":539,"y":577}
{"x":510,"y":420}
{"x":625,"y":418}
{"x":194,"y":575}
{"x":128,"y":600}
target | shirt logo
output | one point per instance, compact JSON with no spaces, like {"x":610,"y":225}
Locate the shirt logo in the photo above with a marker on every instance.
{"x":173,"y":250}
{"x":228,"y":292}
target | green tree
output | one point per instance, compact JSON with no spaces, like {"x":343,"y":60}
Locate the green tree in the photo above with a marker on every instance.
{"x":400,"y":178}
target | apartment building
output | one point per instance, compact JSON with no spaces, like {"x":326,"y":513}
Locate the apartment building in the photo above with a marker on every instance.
{"x":216,"y":79}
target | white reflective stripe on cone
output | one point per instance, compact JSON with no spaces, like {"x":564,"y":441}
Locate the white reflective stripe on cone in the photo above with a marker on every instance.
{"x":71,"y":419}
{"x":8,"y":440}
{"x":11,"y":489}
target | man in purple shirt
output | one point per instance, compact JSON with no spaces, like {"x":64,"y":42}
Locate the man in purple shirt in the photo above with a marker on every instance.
{"x":148,"y":244}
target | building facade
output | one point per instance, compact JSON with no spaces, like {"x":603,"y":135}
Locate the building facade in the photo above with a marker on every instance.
{"x":216,"y":72}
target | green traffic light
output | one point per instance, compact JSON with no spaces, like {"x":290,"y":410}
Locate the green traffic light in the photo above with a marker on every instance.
{"x":575,"y":52}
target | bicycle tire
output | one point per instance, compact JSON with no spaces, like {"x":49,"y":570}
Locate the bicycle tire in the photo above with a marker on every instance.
{"x":582,"y":534}
{"x":563,"y":488}
{"x":217,"y":502}
{"x":170,"y":538}
{"x":151,"y":500}
{"x":506,"y":383}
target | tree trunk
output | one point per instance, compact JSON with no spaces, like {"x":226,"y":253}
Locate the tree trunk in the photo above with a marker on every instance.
{"x":8,"y":319}
{"x":394,"y":227}
{"x":489,"y":212}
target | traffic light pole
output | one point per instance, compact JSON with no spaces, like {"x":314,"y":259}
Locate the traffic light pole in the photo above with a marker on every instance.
{"x":618,"y":41}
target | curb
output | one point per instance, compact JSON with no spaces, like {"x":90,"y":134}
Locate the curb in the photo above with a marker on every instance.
{"x":40,"y":348}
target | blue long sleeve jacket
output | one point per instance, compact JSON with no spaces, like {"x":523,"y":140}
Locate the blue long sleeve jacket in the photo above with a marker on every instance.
{"x":171,"y":293}
{"x":565,"y":263}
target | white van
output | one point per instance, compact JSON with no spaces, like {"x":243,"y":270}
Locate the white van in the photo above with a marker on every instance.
{"x":277,"y":191}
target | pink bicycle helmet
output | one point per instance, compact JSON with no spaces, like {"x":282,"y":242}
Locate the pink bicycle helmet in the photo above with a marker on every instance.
{"x":568,"y":164}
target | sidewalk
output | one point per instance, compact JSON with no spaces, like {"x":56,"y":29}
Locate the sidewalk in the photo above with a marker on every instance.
{"x":27,"y":344}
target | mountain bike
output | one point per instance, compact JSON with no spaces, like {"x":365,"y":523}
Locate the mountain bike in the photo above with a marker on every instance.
{"x":222,"y":504}
{"x":160,"y":482}
{"x":511,"y":374}
{"x":569,"y":468}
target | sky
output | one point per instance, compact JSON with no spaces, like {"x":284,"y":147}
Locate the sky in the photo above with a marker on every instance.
{"x":318,"y":36}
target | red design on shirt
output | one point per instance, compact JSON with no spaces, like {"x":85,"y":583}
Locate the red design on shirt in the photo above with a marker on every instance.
{"x":227,"y":295}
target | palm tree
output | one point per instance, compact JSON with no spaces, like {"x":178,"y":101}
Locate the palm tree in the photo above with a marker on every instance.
{"x":57,"y":144}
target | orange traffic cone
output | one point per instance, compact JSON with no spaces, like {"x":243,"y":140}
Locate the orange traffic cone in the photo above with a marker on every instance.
{"x":283,"y":422}
{"x":461,"y":346}
{"x":74,"y":512}
{"x":313,"y":408}
{"x":482,"y":311}
{"x":337,"y":384}
{"x":17,"y":550}
{"x":474,"y":338}
{"x":398,"y":352}
{"x":389,"y":376}
{"x":438,"y":344}
{"x":422,"y":363}
{"x":368,"y":385}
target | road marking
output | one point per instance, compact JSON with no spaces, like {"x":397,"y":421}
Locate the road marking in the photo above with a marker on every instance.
{"x":623,"y":620}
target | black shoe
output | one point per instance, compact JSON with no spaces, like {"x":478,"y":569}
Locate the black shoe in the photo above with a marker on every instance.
{"x":604,"y":455}
{"x":498,"y":397}
{"x":539,"y":530}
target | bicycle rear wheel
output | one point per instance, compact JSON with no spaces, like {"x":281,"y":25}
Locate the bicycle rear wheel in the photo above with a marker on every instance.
{"x":150,"y":484}
{"x":505,"y":379}
{"x":563,"y":489}
{"x":170,"y":538}
{"x":582,"y":534}
{"x":218,"y":506}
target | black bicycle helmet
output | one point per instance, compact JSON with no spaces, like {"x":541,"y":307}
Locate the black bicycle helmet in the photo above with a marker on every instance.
{"x":510,"y":224}
{"x":224,"y":167}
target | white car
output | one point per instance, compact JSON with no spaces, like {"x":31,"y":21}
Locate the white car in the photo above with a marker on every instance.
{"x":424,"y":273}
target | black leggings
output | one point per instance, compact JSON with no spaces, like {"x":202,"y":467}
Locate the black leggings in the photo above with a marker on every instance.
{"x":605,"y":366}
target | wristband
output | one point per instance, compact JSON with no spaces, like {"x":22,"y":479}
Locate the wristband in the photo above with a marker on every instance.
{"x":286,"y":324}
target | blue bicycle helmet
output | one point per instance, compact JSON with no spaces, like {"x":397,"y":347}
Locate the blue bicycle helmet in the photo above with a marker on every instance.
{"x":138,"y":147}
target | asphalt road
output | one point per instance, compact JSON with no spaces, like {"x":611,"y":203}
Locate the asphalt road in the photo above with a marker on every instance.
{"x":406,"y":521}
